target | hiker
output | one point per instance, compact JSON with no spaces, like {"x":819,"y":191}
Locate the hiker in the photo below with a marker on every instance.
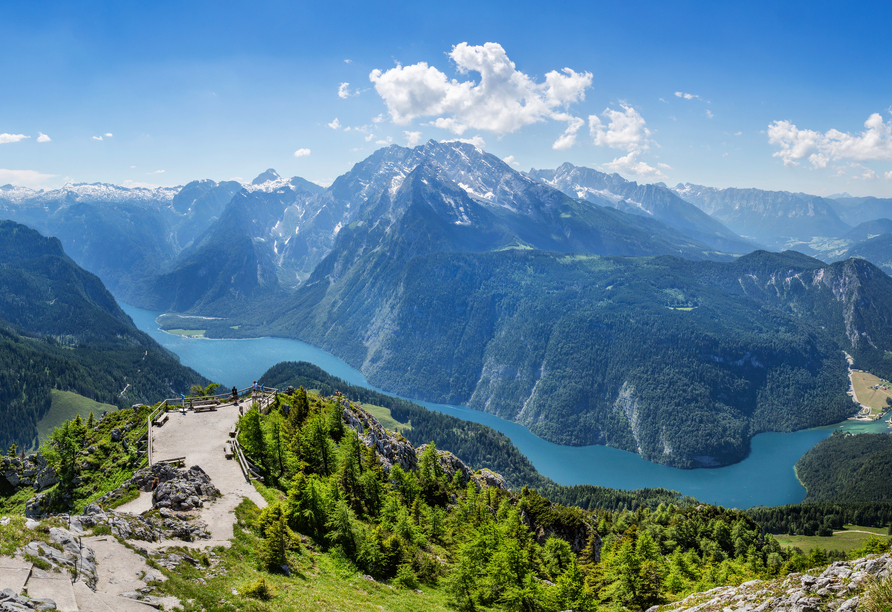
{"x":235,"y":395}
{"x":254,"y":390}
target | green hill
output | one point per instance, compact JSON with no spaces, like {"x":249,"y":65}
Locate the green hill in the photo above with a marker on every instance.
{"x":848,"y":468}
{"x":64,"y":406}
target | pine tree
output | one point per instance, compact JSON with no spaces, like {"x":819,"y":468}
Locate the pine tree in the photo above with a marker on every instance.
{"x":350,"y":471}
{"x":252,"y":439}
{"x":317,"y":448}
{"x":275,"y":538}
{"x":300,"y":409}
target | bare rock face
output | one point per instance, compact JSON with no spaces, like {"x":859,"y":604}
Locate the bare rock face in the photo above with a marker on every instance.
{"x":32,"y":471}
{"x":393,"y":449}
{"x":838,"y":588}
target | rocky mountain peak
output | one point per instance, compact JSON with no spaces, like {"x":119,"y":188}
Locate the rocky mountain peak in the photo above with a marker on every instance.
{"x":265,"y":177}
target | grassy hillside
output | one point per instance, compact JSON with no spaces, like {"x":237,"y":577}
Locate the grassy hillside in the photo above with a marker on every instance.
{"x":846,"y":540}
{"x":64,"y":407}
{"x":427,"y":538}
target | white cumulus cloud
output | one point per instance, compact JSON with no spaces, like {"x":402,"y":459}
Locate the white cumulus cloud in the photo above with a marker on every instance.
{"x":108,"y":134}
{"x":709,"y":113}
{"x":335,"y":124}
{"x":511,"y":161}
{"x":41,"y":137}
{"x":344,"y":91}
{"x":97,"y":137}
{"x":568,"y":138}
{"x":686,"y":96}
{"x":874,"y":143}
{"x":412,"y":138}
{"x":504,"y":100}
{"x":888,"y":175}
{"x":664,"y":166}
{"x":6,"y":138}
{"x":628,"y":164}
{"x":302,"y":153}
{"x":625,"y":130}
{"x":156,"y":172}
{"x":25,"y":178}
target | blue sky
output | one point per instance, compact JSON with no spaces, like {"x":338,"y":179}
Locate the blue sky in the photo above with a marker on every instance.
{"x":789,"y":96}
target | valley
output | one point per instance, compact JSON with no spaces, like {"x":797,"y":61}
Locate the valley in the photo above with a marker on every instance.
{"x":764,"y":477}
{"x":587,"y":308}
{"x":872,"y":392}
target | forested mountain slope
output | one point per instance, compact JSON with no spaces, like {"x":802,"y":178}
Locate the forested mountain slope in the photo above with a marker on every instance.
{"x":61,"y":329}
{"x":681,"y":361}
{"x":847,"y":468}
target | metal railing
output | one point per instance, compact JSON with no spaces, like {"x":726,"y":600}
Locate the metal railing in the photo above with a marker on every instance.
{"x":266,"y":398}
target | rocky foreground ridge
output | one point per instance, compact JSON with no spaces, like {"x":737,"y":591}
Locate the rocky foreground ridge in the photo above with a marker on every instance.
{"x":838,"y":588}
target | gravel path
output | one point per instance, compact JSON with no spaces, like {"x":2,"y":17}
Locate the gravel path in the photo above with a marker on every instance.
{"x":199,"y":437}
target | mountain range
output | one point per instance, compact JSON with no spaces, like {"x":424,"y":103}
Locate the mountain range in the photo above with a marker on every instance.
{"x":592,"y":309}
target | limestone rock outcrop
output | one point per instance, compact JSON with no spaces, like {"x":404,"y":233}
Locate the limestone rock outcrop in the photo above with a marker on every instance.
{"x":393,"y":449}
{"x":838,"y":588}
{"x":73,"y":557}
{"x":31,"y":471}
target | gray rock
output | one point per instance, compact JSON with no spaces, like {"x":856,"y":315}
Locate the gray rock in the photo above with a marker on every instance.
{"x":796,"y":592}
{"x":32,"y":524}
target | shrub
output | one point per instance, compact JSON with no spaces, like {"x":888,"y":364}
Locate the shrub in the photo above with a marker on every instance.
{"x":405,"y":577}
{"x":259,"y":589}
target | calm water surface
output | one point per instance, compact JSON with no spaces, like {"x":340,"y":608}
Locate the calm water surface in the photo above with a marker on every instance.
{"x":766,"y":477}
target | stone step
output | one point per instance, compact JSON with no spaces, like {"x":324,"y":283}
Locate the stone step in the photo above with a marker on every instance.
{"x":14,"y":573}
{"x":123,"y":604}
{"x":97,"y":601}
{"x":88,"y":600}
{"x":55,"y":586}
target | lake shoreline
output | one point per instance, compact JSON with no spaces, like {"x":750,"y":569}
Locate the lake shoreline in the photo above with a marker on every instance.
{"x":764,"y":477}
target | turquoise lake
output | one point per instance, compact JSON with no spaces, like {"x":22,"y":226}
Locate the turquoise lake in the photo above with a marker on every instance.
{"x":765,"y":477}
